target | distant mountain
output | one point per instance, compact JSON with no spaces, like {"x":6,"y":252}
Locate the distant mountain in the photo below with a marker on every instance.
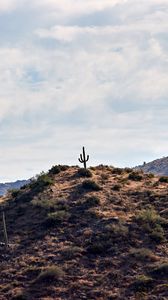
{"x":158,"y":166}
{"x":4,"y":187}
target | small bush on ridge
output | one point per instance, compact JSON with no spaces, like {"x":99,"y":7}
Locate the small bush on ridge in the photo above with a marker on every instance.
{"x":91,"y":185}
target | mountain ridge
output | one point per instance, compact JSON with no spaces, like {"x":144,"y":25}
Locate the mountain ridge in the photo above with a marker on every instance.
{"x":158,"y":166}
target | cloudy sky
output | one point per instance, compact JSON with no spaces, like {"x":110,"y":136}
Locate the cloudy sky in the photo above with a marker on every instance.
{"x":74,"y":73}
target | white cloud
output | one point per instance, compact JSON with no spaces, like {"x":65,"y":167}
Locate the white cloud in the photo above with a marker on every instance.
{"x":67,"y":84}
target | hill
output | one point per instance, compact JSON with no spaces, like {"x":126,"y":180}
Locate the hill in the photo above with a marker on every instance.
{"x":99,"y":233}
{"x":158,"y":166}
{"x":4,"y":187}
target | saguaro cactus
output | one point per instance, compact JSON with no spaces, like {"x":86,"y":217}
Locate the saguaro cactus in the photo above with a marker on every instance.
{"x":83,"y":158}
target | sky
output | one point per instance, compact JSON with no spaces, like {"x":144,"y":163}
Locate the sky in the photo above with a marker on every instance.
{"x":76,"y":73}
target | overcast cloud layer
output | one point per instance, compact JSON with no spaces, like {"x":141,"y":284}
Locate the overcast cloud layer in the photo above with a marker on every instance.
{"x":76,"y":73}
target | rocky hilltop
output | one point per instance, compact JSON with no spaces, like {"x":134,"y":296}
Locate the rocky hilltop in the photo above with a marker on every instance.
{"x":158,"y":166}
{"x":74,"y":234}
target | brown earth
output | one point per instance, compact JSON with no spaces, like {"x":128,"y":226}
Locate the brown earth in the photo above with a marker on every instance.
{"x":96,"y":234}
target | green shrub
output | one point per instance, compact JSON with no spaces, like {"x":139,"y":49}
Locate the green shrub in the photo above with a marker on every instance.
{"x":55,"y":170}
{"x":117,"y":171}
{"x":50,"y":274}
{"x":117,"y":230}
{"x":160,"y":271}
{"x":149,"y":216}
{"x":142,"y":254}
{"x":163,"y":179}
{"x":128,"y":170}
{"x":57,"y":217}
{"x":15,"y":192}
{"x":47,"y":204}
{"x":142,"y":283}
{"x":150,"y":175}
{"x":92,"y":201}
{"x":97,"y":248}
{"x":157,"y":234}
{"x":71,"y":252}
{"x":41,"y":182}
{"x":91,"y":185}
{"x":84,"y":172}
{"x":20,"y":296}
{"x":152,"y":223}
{"x":135,"y":176}
{"x":58,"y":168}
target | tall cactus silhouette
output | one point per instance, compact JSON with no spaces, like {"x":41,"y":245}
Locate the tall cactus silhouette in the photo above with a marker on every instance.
{"x":83,"y":158}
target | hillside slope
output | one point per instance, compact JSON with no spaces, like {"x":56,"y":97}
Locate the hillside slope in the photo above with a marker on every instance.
{"x":158,"y":166}
{"x":86,"y":234}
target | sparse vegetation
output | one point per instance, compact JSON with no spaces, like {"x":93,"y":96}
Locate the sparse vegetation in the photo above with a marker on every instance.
{"x":142,"y":283}
{"x":57,"y":169}
{"x":117,"y":171}
{"x":42,"y":181}
{"x":84,"y":172}
{"x":92,"y":201}
{"x":50,"y":274}
{"x":91,"y":185}
{"x":135,"y":176}
{"x":160,"y":271}
{"x":163,"y":179}
{"x":152,"y":223}
{"x":143,"y":254}
{"x":69,"y":239}
{"x":57,"y":217}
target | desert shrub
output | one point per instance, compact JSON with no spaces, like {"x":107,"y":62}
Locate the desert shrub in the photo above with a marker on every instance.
{"x":150,"y":216}
{"x":84,"y":172}
{"x":92,"y":201}
{"x":57,"y":169}
{"x":152,"y":223}
{"x":42,"y":181}
{"x":142,"y":283}
{"x":104,"y":177}
{"x":160,"y":271}
{"x":15,"y":192}
{"x":47,"y":204}
{"x":142,"y":254}
{"x":150,"y":175}
{"x":117,"y":171}
{"x":163,"y":179}
{"x":50,"y":274}
{"x":97,"y":248}
{"x":71,"y":252}
{"x":20,"y":296}
{"x":128,"y":170}
{"x":57,"y":218}
{"x":91,"y":185}
{"x":116,"y":187}
{"x":116,"y":230}
{"x":157,"y":234}
{"x":135,"y":176}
